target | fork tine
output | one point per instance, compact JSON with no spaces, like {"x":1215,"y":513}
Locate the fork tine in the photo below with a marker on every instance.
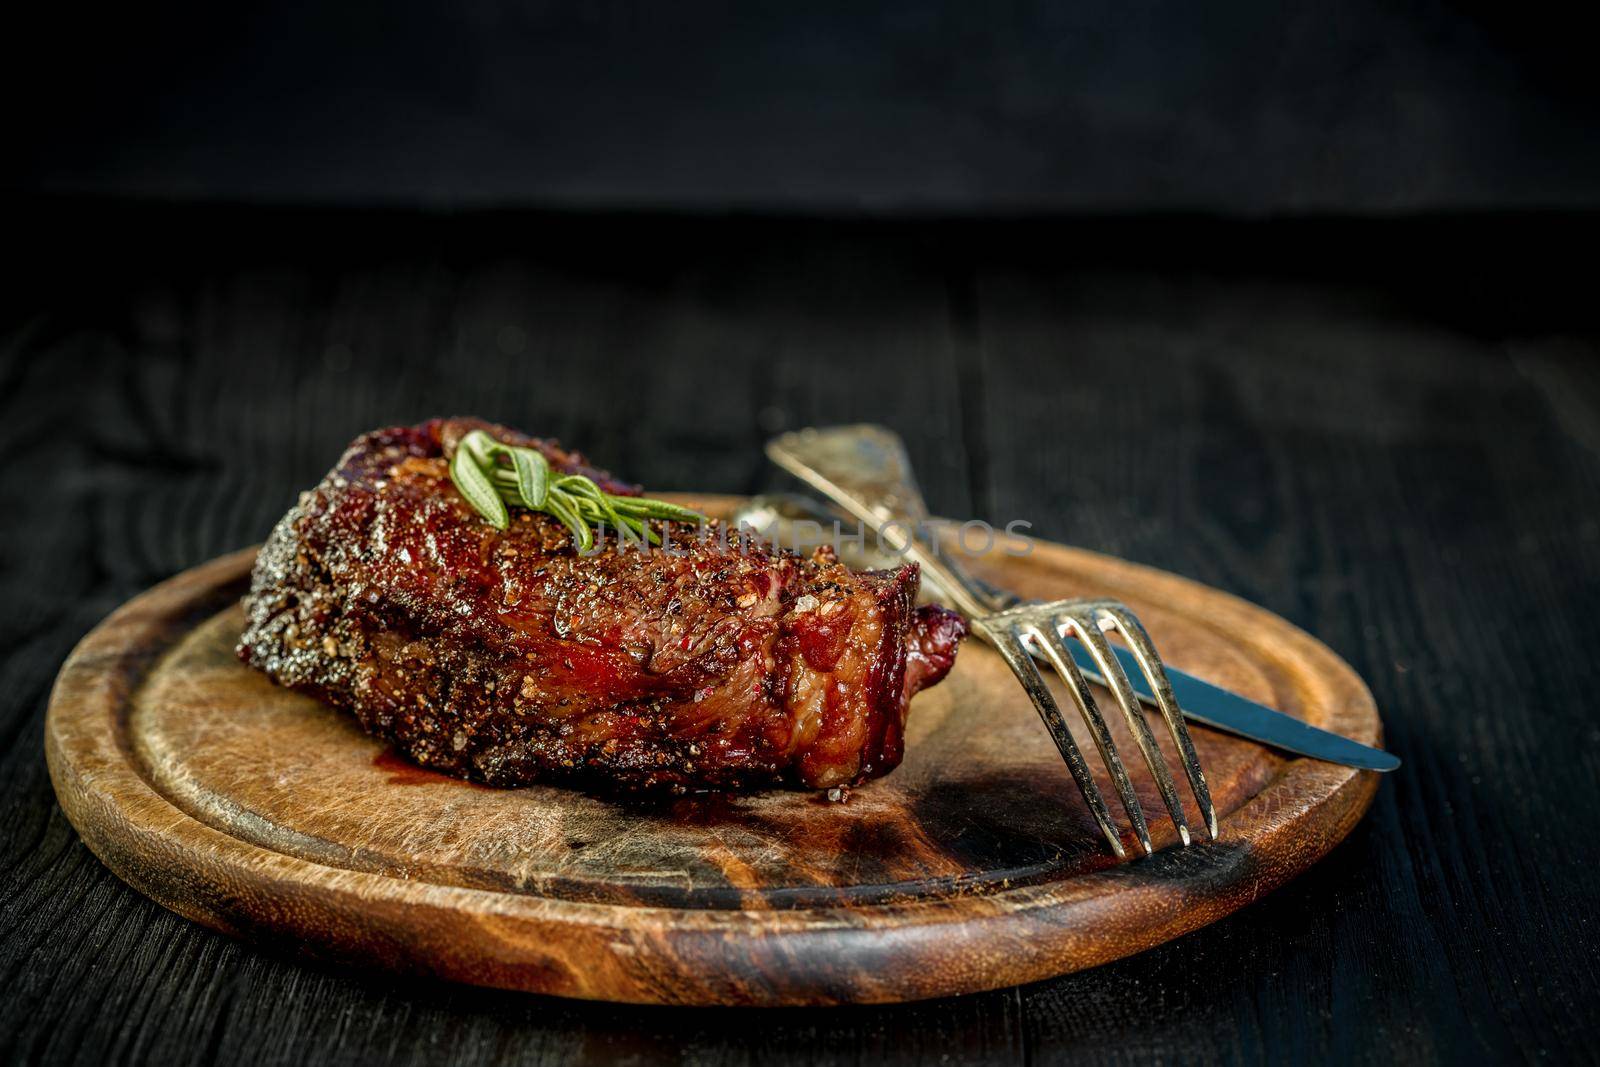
{"x":1155,"y":673}
{"x":1085,"y":624}
{"x":1050,"y":642}
{"x":1006,"y":637}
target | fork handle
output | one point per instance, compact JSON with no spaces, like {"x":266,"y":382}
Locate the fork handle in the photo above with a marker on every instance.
{"x":865,"y":470}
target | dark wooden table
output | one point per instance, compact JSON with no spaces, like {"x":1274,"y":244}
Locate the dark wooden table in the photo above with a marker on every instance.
{"x":1388,"y":432}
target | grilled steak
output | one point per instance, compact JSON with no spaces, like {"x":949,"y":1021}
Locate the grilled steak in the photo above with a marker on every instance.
{"x":509,"y":657}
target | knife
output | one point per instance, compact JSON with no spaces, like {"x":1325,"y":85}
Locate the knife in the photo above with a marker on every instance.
{"x":1226,"y":710}
{"x":864,"y":470}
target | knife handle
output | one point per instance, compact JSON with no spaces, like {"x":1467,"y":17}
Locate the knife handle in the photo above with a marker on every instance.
{"x":865,"y":470}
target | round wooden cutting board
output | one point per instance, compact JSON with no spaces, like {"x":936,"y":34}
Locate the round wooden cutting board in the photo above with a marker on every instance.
{"x":973,"y":866}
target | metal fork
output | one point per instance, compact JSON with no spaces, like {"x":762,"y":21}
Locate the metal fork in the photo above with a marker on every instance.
{"x":865,"y":470}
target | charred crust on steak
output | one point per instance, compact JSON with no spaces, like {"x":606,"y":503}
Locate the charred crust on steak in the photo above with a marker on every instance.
{"x":508,"y":658}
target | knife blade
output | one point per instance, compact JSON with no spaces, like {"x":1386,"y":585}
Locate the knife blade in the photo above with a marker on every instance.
{"x":1224,"y":709}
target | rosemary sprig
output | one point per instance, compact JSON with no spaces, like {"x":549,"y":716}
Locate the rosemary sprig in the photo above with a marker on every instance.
{"x":492,"y":475}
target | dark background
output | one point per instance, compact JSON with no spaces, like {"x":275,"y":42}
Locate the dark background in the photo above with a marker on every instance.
{"x":1297,"y":300}
{"x":1252,"y":108}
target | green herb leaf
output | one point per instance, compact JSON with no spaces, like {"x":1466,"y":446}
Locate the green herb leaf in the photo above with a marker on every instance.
{"x":482,"y":447}
{"x":533,"y":476}
{"x":645,"y":508}
{"x":472,"y":483}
